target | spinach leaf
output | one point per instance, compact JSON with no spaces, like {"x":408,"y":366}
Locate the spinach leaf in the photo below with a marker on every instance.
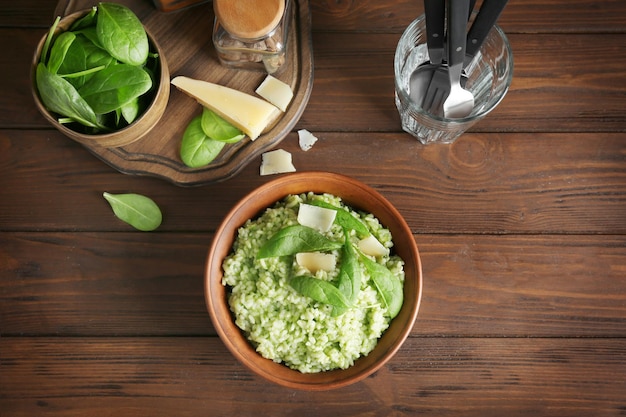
{"x":349,"y":278}
{"x":389,"y":286}
{"x":87,"y":20}
{"x":61,"y":97}
{"x":46,"y":44}
{"x":59,"y":50}
{"x":83,"y":58}
{"x":121,"y":33}
{"x":196,"y":148}
{"x":130,"y":110}
{"x":294,"y":239}
{"x":114,"y":87}
{"x":219,"y":129}
{"x":91,"y":34}
{"x":321,"y":291}
{"x":344,"y":218}
{"x":137,"y":210}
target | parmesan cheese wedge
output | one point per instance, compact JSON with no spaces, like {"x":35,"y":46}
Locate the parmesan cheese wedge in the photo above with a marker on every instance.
{"x":276,"y":92}
{"x":315,"y":217}
{"x":276,"y":162}
{"x":250,"y":114}
{"x":371,"y":246}
{"x":315,"y":261}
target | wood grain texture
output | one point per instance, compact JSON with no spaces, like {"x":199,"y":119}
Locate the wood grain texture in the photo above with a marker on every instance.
{"x":353,"y":87}
{"x":474,"y":285}
{"x":521,"y":227}
{"x":432,"y":376}
{"x":484,"y":183}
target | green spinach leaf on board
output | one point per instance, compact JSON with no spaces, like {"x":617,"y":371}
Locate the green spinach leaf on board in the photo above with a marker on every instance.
{"x":139,"y":211}
{"x":196,"y":148}
{"x":295,"y":239}
{"x":219,"y":129}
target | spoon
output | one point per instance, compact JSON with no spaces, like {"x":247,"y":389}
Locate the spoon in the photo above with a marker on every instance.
{"x":434,"y":11}
{"x":460,"y":102}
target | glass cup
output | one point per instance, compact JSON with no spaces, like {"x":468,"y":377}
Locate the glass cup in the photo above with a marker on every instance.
{"x":489,"y":76}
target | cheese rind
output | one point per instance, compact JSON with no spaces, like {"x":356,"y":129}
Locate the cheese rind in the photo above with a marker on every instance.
{"x":276,"y":92}
{"x":315,"y":217}
{"x":276,"y":162}
{"x":250,"y":114}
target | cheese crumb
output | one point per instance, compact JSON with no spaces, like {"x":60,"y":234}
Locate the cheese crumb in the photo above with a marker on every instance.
{"x":276,"y":162}
{"x":306,"y":139}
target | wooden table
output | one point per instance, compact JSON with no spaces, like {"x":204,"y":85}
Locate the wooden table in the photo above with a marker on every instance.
{"x":521,"y":226}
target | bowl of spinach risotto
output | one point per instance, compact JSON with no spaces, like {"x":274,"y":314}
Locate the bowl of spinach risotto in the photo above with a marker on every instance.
{"x":313,"y":281}
{"x":100,"y":77}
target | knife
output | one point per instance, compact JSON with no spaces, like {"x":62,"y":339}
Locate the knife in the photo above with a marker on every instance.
{"x":435,"y":22}
{"x":487,"y":16}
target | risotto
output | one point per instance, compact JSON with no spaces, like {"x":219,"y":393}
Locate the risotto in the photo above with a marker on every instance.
{"x":288,"y":325}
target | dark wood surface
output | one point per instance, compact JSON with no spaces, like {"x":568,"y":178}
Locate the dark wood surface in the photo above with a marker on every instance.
{"x":521,"y":226}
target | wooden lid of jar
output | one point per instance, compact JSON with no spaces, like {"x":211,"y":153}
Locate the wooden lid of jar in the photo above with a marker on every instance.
{"x":249,"y":19}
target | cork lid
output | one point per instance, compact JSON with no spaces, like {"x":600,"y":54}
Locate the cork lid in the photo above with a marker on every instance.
{"x":249,"y":19}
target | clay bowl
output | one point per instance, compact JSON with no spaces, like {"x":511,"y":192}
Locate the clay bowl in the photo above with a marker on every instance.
{"x":358,"y":196}
{"x":159,"y":97}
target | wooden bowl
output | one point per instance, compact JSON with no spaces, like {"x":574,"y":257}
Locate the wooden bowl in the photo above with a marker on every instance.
{"x":358,"y":196}
{"x":129,"y":134}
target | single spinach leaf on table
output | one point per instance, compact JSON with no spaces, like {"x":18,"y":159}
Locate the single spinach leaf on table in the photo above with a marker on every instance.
{"x":59,"y":96}
{"x":115,"y":86}
{"x":295,"y":239}
{"x":219,"y":129}
{"x":196,"y":148}
{"x":137,"y":210}
{"x":319,"y":290}
{"x":388,"y":285}
{"x":121,"y":33}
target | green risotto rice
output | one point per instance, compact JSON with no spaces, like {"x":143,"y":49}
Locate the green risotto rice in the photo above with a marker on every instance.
{"x":287,"y":326}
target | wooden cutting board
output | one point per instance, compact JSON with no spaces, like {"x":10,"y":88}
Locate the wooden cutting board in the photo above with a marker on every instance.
{"x":185,"y":37}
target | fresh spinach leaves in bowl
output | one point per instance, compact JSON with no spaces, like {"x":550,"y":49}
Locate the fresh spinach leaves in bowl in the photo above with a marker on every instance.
{"x":97,"y":76}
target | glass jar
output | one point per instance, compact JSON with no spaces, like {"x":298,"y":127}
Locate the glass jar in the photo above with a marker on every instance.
{"x":264,"y":51}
